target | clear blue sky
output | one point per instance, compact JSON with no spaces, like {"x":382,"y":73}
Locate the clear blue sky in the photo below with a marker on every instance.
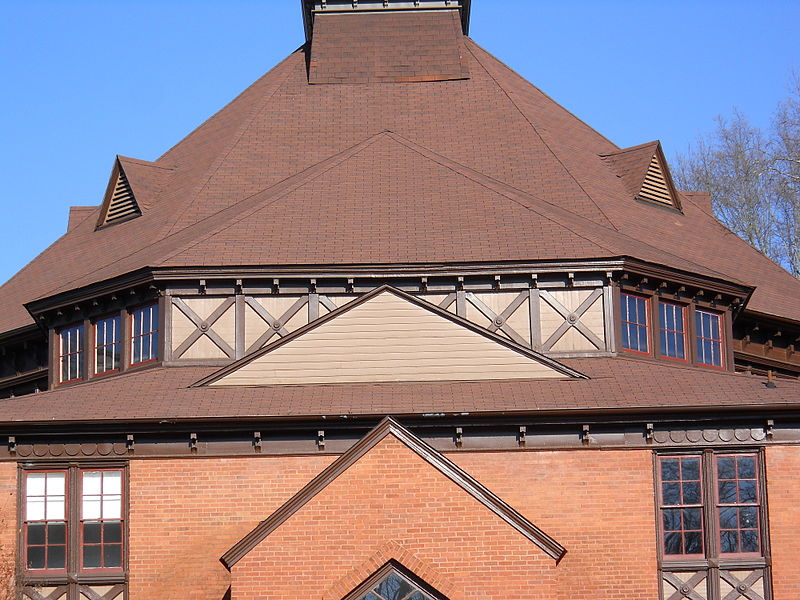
{"x":84,"y":80}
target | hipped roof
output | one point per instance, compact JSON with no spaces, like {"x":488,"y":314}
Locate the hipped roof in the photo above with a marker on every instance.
{"x":481,"y":169}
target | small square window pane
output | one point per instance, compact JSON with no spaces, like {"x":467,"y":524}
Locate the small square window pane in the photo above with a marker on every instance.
{"x":746,"y":467}
{"x":35,"y":484}
{"x":727,"y":492}
{"x":112,"y":532}
{"x":671,"y":493}
{"x":726,"y":467}
{"x":112,"y":507}
{"x":56,"y":557}
{"x":750,"y":540}
{"x":91,"y":532}
{"x":728,"y":517}
{"x":92,"y":483}
{"x":55,"y":508}
{"x":57,"y":533}
{"x":91,"y":557}
{"x":35,"y":558}
{"x":55,"y":483}
{"x":729,"y":541}
{"x":747,"y":492}
{"x":672,"y":543}
{"x":669,"y":469}
{"x":34,"y":509}
{"x":36,"y":534}
{"x":691,"y":492}
{"x":112,"y":555}
{"x":112,"y":482}
{"x":691,"y":468}
{"x":91,"y":507}
{"x":748,"y":517}
{"x":694,"y":542}
{"x":692,"y":518}
{"x":672,"y":519}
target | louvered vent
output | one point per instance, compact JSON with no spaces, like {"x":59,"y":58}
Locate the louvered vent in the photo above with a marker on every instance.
{"x":122,"y":204}
{"x":655,"y":186}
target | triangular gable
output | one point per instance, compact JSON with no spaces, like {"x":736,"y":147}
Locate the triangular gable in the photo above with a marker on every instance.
{"x":388,"y":335}
{"x":393,"y":580}
{"x":644,"y":171}
{"x":387,"y":427}
{"x":119,"y":203}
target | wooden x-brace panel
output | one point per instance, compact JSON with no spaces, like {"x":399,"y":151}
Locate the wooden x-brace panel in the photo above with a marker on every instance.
{"x":742,"y":588}
{"x":686,"y":589}
{"x":572,"y":319}
{"x":204,"y":327}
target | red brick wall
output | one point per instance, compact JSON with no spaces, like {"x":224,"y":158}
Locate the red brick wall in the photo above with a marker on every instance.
{"x":598,"y":504}
{"x":783,"y":495}
{"x":184,"y":514}
{"x":392,"y":495}
{"x":8,"y":528}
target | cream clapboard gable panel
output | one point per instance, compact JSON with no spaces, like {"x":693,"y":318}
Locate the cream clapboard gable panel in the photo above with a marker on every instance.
{"x":387,"y":338}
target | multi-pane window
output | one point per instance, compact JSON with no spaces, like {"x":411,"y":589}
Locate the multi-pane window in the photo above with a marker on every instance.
{"x":390,"y":584}
{"x":672,"y":330}
{"x":709,"y":338}
{"x":107,"y":345}
{"x":73,"y":520}
{"x":721,"y":523}
{"x":634,"y":310}
{"x":144,"y":334}
{"x":681,"y":505}
{"x":738,"y":504}
{"x":71,"y":353}
{"x":45,"y":520}
{"x":101,"y":519}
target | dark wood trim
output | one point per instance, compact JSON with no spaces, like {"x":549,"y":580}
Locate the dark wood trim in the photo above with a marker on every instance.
{"x":388,"y":426}
{"x":727,"y":342}
{"x":459,"y":320}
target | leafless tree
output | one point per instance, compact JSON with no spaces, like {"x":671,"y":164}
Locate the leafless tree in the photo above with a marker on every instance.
{"x":754,"y":178}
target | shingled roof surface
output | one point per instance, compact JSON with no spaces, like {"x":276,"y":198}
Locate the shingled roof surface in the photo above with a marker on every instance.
{"x":617,"y":384}
{"x":485,"y":168}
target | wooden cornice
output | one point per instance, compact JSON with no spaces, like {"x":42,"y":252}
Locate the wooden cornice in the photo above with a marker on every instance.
{"x":386,"y":427}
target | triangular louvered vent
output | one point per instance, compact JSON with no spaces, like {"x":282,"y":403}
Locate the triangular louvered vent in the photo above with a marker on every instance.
{"x":655,"y":187}
{"x":121,"y":203}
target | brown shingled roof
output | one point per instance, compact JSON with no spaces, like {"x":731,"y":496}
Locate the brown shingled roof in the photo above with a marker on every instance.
{"x":617,"y":384}
{"x":493,"y":135}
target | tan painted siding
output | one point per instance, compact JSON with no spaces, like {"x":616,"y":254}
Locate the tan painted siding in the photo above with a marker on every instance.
{"x":387,"y":339}
{"x":182,"y":328}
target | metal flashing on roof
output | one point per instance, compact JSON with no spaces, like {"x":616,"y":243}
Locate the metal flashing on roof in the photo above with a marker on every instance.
{"x":314,"y":7}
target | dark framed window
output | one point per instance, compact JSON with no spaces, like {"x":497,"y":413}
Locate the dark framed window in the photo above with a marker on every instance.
{"x":45,"y":520}
{"x":672,"y":330}
{"x":144,"y":334}
{"x":73,"y":521}
{"x":738,"y":504}
{"x":394,"y":582}
{"x":635,"y":323}
{"x":708,"y":330}
{"x":681,"y":505}
{"x":107,"y":345}
{"x":710,"y":505}
{"x":70,"y":354}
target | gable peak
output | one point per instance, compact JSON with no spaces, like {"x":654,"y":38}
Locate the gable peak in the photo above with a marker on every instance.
{"x":119,"y":203}
{"x":645,"y":173}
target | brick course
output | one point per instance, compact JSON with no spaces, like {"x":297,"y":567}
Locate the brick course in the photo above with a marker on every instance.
{"x":783,"y":496}
{"x":8,"y":528}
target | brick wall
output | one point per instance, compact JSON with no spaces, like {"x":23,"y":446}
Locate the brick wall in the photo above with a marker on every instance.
{"x":598,"y":504}
{"x":186,"y":513}
{"x":8,"y":528}
{"x":783,"y":495}
{"x":391,"y":495}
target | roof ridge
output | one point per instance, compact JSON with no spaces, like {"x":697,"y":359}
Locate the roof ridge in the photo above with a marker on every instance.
{"x":541,"y":137}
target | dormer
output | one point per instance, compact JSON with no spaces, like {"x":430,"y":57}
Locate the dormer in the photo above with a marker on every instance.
{"x":645,"y":174}
{"x":119,"y":203}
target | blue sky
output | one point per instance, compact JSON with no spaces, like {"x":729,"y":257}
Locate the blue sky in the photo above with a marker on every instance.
{"x":84,"y":80}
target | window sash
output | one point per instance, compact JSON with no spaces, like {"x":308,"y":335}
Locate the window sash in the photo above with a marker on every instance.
{"x":107,"y":345}
{"x":144,"y":334}
{"x":635,"y":323}
{"x":672,"y":331}
{"x":745,"y":507}
{"x":708,"y":334}
{"x":101,"y":520}
{"x":70,"y":356}
{"x":688,"y":508}
{"x":45,"y":510}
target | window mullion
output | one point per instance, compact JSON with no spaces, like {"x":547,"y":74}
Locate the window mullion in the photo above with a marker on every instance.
{"x":73,"y":514}
{"x":711,"y":524}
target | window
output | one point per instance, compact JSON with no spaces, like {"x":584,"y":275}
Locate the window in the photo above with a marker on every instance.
{"x":709,"y":338}
{"x":144,"y":334}
{"x":393,"y":582}
{"x":672,"y":330}
{"x":731,"y":512}
{"x":71,"y":353}
{"x":635,"y":323}
{"x":80,"y":508}
{"x":107,"y":345}
{"x":45,"y":521}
